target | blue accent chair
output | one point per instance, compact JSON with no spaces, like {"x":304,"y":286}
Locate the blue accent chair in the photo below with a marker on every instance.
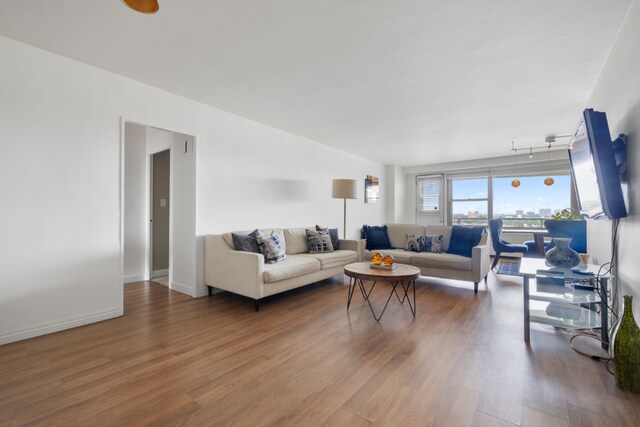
{"x":575,"y":230}
{"x":499,"y":245}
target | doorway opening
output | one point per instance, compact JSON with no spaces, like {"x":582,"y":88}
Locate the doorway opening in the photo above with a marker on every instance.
{"x":158,"y":239}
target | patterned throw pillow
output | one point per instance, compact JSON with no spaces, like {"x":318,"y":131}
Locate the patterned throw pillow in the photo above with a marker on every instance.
{"x":319,"y":242}
{"x":271,"y":247}
{"x":436,"y":243}
{"x":246,"y":242}
{"x":412,"y":243}
{"x":431,"y":243}
{"x":333,"y":232}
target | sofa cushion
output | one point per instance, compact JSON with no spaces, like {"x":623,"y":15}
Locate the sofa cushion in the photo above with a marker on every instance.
{"x":434,"y":230}
{"x":376,"y":237}
{"x":400,"y":256}
{"x":246,"y":242}
{"x":443,"y":261}
{"x":319,"y":242}
{"x":293,"y":266}
{"x":463,"y":239}
{"x":333,"y":259}
{"x":333,"y":232}
{"x":398,"y":233}
{"x":271,"y":247}
{"x":296,"y":240}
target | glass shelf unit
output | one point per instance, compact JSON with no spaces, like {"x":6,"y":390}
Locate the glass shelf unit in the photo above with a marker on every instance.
{"x":569,"y":308}
{"x":586,"y":319}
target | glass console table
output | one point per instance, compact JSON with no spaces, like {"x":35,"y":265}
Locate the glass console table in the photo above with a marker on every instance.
{"x":562,"y":305}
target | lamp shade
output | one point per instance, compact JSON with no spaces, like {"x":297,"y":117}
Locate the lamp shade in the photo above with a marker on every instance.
{"x":345,"y":189}
{"x":143,"y":6}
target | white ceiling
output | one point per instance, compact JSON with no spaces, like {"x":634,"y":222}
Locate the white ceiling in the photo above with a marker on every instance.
{"x":401,"y":82}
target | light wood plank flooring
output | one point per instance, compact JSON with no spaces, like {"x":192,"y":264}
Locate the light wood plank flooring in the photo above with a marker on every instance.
{"x":303,"y":359}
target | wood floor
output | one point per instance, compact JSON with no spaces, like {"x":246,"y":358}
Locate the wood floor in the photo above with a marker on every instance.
{"x":304,"y":360}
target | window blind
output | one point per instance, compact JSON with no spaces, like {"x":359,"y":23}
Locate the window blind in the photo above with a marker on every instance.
{"x":429,"y":194}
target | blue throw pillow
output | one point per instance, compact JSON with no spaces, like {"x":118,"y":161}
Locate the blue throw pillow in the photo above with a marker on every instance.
{"x":463,"y":239}
{"x":333,"y":232}
{"x":246,"y":242}
{"x":377,"y":237}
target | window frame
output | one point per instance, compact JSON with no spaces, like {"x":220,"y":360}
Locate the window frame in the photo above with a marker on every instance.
{"x":474,"y":175}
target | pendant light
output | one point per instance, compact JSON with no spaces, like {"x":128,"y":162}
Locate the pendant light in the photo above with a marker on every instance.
{"x":143,"y":6}
{"x":515,"y":183}
{"x":548,"y":181}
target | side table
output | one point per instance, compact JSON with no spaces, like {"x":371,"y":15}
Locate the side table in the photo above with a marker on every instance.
{"x":538,"y":296}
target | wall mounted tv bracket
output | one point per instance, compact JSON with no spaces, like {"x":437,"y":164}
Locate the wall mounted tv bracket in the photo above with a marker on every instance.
{"x":620,"y":154}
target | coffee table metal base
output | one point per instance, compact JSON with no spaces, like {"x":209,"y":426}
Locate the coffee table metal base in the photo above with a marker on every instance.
{"x":405,"y":285}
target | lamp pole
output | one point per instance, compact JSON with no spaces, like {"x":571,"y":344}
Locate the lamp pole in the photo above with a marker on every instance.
{"x":344,"y":227}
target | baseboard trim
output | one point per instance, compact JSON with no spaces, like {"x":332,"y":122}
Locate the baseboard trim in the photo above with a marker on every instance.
{"x":183,"y":289}
{"x":133,"y":278}
{"x":160,"y":273}
{"x":44,"y":328}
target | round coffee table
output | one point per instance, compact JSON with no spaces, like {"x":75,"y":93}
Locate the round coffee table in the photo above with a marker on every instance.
{"x":403,"y":275}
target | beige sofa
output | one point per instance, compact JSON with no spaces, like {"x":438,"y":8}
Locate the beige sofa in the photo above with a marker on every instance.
{"x":246,"y":273}
{"x":443,"y":265}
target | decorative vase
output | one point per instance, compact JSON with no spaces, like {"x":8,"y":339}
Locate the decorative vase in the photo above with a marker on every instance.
{"x":626,"y":350}
{"x":562,"y":256}
{"x":376,"y":258}
{"x":388,"y":260}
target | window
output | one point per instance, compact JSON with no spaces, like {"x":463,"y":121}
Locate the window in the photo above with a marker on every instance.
{"x":532,"y":202}
{"x":475,"y":197}
{"x":429,"y":193}
{"x":469,"y":201}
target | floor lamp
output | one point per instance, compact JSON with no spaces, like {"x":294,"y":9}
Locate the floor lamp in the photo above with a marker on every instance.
{"x":345,"y":189}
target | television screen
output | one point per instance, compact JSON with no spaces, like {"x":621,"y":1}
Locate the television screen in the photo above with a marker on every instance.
{"x":594,"y":169}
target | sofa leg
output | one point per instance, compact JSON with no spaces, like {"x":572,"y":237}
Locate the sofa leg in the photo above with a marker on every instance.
{"x":475,"y":287}
{"x":257,"y":305}
{"x":210,"y":290}
{"x":495,"y":260}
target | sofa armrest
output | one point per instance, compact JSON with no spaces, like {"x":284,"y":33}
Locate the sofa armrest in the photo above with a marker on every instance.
{"x":235,"y":271}
{"x":354,"y":245}
{"x":480,"y":262}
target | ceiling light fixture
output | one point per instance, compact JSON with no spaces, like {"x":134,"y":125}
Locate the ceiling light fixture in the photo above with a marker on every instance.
{"x":548,"y":181}
{"x":143,"y":6}
{"x":515,"y":183}
{"x":549,"y":140}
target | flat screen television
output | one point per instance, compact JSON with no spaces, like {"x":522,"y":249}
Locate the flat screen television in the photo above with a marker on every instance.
{"x":594,"y":169}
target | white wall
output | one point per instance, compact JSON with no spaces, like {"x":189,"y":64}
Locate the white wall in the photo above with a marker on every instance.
{"x":60,"y":127}
{"x":182,"y":229}
{"x":617,"y":93}
{"x":135,"y":203}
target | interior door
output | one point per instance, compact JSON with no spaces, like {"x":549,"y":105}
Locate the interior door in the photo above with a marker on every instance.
{"x":160,"y":184}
